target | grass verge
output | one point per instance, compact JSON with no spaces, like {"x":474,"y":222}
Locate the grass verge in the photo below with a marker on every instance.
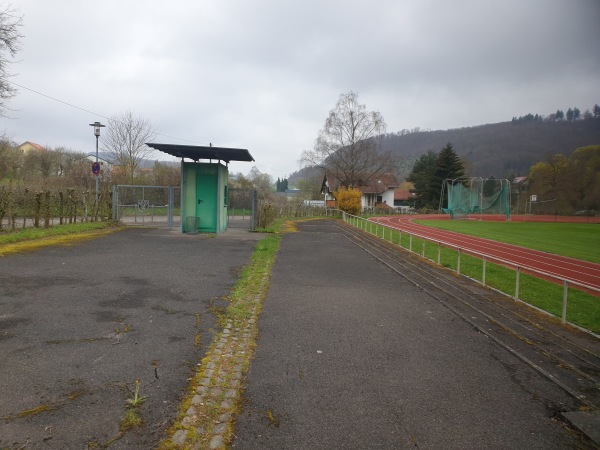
{"x":35,"y":238}
{"x":583,"y":309}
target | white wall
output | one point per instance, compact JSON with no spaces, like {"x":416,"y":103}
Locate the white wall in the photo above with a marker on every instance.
{"x":388,"y":197}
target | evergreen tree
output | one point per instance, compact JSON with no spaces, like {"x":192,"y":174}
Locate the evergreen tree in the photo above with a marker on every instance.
{"x":448,"y":166}
{"x":570,"y":115}
{"x":420,"y":176}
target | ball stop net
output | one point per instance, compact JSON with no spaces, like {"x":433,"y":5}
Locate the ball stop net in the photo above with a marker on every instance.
{"x":463,"y":198}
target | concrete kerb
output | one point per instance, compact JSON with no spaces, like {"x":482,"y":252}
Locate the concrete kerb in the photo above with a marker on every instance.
{"x":208,"y":414}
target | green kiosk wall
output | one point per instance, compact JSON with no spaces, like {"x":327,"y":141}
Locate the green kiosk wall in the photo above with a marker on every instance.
{"x":204,"y":197}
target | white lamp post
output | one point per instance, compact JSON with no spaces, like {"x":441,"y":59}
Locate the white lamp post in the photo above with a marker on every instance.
{"x":97,"y":126}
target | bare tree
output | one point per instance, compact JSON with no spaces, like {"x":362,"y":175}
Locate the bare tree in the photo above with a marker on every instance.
{"x":10,"y":38}
{"x":349,"y":145}
{"x":165,"y":174}
{"x":125,"y":141}
{"x":262,"y":182}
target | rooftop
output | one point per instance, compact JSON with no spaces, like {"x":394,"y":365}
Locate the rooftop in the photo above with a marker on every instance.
{"x":197,"y":153}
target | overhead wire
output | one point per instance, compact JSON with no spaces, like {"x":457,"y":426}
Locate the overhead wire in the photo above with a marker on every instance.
{"x":116,"y":120}
{"x":92,"y":112}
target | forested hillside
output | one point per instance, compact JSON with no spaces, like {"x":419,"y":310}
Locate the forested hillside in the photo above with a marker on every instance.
{"x":501,"y":149}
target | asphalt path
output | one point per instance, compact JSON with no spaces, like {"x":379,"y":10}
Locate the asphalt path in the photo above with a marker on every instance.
{"x":80,"y":324}
{"x":583,"y":272}
{"x":352,"y":356}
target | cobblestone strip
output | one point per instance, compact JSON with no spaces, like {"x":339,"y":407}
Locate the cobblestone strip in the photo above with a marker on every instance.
{"x":209,"y":413}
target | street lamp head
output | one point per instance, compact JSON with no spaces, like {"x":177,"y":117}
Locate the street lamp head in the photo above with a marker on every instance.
{"x":97,"y":126}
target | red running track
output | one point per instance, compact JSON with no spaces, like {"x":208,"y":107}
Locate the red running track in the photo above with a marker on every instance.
{"x":561,"y":266}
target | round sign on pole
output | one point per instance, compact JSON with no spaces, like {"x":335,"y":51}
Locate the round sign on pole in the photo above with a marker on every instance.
{"x":96,"y":168}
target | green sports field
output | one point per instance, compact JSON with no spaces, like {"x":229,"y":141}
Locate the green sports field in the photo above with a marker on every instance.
{"x":576,"y":240}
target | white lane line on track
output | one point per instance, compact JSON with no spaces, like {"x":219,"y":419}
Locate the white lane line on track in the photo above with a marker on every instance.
{"x":568,"y":267}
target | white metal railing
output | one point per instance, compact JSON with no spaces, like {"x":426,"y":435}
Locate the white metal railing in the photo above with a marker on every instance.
{"x":377,"y":229}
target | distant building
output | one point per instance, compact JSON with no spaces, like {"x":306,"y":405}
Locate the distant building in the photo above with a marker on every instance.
{"x":28,"y":146}
{"x":403,"y":197}
{"x":377,"y":191}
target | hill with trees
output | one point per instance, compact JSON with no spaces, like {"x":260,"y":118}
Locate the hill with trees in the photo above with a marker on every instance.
{"x":500,"y":150}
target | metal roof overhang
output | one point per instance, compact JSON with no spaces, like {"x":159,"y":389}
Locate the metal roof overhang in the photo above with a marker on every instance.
{"x":196,"y":152}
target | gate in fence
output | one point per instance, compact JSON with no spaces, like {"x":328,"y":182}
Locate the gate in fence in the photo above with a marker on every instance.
{"x":241,"y":208}
{"x":147,"y":205}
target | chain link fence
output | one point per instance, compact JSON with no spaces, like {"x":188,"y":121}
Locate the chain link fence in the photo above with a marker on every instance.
{"x":147,"y":205}
{"x":241,"y":209}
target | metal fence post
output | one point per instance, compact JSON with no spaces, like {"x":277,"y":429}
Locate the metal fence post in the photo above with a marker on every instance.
{"x":458,"y":262}
{"x":518,"y":272}
{"x":483,"y":274}
{"x":254,"y":216}
{"x":565,"y":294}
{"x":439,"y":254}
{"x":170,"y":208}
{"x":115,"y":204}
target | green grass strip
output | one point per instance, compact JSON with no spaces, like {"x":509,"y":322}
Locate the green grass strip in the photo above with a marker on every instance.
{"x":583,"y":309}
{"x":30,"y":233}
{"x":576,"y":240}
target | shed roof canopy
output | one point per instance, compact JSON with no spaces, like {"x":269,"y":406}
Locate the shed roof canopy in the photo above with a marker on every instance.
{"x":196,"y":152}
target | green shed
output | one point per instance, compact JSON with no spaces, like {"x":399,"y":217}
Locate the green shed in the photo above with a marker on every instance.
{"x":204,"y":184}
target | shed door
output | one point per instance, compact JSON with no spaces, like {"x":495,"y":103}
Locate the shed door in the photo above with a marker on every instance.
{"x":206,"y":195}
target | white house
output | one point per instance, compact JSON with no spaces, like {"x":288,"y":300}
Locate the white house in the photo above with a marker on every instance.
{"x":377,"y":191}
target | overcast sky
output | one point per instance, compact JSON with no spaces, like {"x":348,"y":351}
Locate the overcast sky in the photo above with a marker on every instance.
{"x":263,"y":75}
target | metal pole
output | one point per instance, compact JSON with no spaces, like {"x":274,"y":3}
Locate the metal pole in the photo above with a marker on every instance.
{"x":115,"y":204}
{"x":483,"y":274}
{"x":98,"y":172}
{"x":565,"y":295}
{"x":170,"y":208}
{"x":97,"y":126}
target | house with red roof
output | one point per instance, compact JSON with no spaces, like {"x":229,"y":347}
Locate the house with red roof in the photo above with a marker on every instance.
{"x":377,"y":191}
{"x":404,"y":200}
{"x":28,"y":146}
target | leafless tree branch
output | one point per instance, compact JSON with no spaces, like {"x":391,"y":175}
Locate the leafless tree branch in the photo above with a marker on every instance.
{"x":125,"y":141}
{"x":349,"y":145}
